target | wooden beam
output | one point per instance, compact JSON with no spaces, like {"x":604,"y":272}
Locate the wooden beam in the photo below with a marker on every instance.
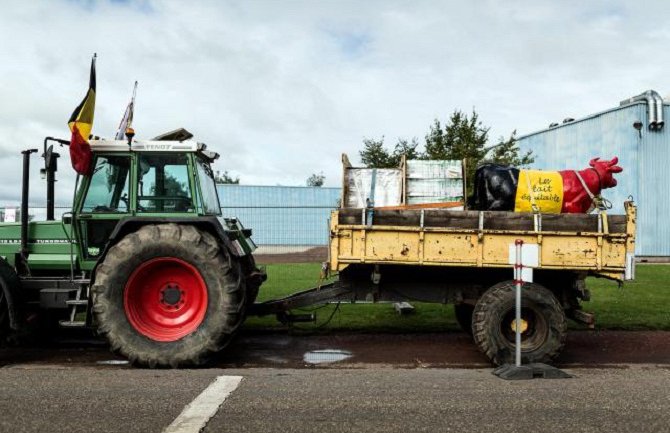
{"x":493,"y":220}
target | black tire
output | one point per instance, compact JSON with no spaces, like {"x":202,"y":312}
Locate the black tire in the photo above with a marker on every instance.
{"x":463,"y":314}
{"x":9,"y":285}
{"x":225,"y":291}
{"x":544,"y":318}
{"x":4,"y":317}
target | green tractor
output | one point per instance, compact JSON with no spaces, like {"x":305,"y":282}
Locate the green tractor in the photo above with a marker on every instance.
{"x":144,"y":256}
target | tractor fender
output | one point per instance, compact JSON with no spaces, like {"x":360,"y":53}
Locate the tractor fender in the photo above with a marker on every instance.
{"x":131,"y":224}
{"x":11,"y":288}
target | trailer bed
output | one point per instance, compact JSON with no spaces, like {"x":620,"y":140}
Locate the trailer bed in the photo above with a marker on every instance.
{"x":599,"y":244}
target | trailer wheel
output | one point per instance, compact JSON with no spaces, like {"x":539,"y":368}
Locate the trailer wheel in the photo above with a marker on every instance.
{"x":463,"y":314}
{"x":543,"y":324}
{"x":168,"y":295}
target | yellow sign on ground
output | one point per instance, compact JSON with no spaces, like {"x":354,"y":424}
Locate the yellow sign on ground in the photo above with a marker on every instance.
{"x":542,"y":188}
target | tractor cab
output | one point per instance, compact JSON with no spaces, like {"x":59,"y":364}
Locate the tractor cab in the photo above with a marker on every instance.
{"x":148,"y":180}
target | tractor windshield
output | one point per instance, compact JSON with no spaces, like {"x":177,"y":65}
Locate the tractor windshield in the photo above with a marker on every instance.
{"x":163,"y":183}
{"x":210,"y":198}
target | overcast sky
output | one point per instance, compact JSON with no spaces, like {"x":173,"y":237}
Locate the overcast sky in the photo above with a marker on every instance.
{"x":281,"y":88}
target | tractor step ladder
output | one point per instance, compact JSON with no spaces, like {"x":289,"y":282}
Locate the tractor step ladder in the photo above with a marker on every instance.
{"x":75,"y":307}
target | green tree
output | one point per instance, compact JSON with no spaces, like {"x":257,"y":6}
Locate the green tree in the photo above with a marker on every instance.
{"x":224,"y":177}
{"x":374,"y":154}
{"x":507,"y":152}
{"x":462,"y":137}
{"x":316,"y":179}
{"x":406,"y":148}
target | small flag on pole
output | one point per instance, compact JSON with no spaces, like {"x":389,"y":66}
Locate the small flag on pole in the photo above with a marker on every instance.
{"x":127,"y":119}
{"x":81,"y":123}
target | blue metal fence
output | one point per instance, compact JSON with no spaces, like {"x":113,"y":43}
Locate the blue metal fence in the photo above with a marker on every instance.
{"x":289,"y":224}
{"x":281,"y":215}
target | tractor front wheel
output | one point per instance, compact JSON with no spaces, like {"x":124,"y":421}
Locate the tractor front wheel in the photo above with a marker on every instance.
{"x":168,"y":295}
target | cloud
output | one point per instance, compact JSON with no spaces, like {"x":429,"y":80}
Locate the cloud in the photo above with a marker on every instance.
{"x":280,"y":89}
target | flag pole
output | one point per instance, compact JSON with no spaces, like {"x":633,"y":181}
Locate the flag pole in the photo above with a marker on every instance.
{"x":130,"y":132}
{"x":125,"y":126}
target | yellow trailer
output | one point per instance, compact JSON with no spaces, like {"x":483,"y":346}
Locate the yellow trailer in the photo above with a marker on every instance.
{"x":463,"y":258}
{"x":595,"y":244}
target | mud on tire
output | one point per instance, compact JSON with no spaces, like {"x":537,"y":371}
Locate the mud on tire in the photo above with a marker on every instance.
{"x":194,"y":252}
{"x":543,"y":323}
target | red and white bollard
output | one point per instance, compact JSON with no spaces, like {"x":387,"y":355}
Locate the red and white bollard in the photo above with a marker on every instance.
{"x":518,"y":281}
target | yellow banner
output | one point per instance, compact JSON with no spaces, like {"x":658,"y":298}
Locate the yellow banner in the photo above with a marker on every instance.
{"x":542,"y":188}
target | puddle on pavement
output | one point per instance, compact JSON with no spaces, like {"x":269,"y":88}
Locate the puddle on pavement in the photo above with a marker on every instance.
{"x":113,"y":362}
{"x":326,"y":356}
{"x":276,"y":359}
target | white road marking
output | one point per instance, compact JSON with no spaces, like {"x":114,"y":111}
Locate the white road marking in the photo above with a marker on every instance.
{"x":196,"y":414}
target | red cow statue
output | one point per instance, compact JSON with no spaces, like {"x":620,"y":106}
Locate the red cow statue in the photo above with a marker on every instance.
{"x":600,"y":176}
{"x":499,"y":187}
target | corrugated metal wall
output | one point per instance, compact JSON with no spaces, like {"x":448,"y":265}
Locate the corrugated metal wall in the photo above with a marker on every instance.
{"x":645,"y":160}
{"x":281,"y":215}
{"x":654,"y":191}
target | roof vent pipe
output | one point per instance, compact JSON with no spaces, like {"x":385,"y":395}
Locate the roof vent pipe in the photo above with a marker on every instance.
{"x":659,"y":111}
{"x":654,"y":107}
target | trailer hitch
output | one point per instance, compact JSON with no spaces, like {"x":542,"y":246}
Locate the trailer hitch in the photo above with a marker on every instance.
{"x":319,"y":295}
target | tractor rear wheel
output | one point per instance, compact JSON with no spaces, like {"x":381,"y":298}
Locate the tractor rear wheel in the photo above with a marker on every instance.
{"x":168,"y":295}
{"x":543,"y":324}
{"x":9,"y":283}
{"x":4,"y":317}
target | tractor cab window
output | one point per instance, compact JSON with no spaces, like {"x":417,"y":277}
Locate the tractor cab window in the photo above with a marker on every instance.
{"x":163,"y":184}
{"x":108,"y":189}
{"x":210,"y":199}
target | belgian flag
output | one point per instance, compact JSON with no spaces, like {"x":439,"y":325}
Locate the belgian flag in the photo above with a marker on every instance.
{"x":81,"y":123}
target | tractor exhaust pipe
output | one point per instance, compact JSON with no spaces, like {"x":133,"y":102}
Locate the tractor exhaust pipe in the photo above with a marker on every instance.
{"x":24,"y":206}
{"x":51,"y":180}
{"x":49,"y":171}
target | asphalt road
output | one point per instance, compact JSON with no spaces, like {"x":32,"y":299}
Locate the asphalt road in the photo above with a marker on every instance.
{"x":367,"y":383}
{"x":113,"y":399}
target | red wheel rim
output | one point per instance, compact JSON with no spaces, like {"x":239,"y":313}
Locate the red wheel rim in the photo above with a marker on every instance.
{"x":165,"y":299}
